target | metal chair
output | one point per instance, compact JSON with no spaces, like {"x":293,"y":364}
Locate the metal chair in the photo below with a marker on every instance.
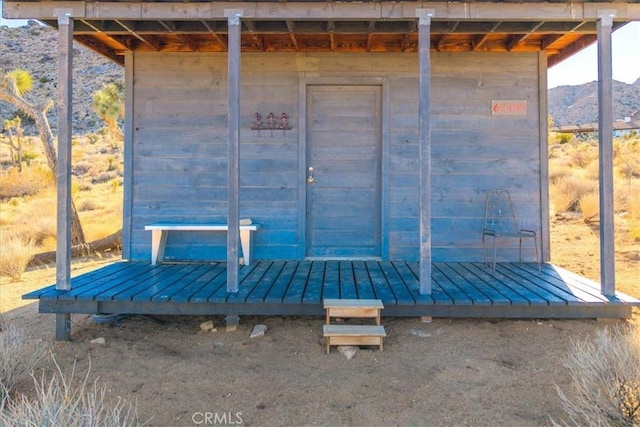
{"x":500,"y":222}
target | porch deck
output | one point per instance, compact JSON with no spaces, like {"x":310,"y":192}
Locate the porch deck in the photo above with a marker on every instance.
{"x":299,"y":287}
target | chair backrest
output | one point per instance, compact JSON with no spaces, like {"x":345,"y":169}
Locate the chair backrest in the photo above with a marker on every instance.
{"x":499,"y":215}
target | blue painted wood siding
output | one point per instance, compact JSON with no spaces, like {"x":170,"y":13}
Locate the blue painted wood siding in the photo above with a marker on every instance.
{"x":179,"y":148}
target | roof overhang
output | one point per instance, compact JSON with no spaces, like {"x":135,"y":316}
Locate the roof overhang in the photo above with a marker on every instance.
{"x":113,"y":28}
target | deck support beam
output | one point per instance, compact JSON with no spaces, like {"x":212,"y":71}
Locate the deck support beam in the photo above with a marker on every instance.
{"x":233,"y":209}
{"x":605,"y":140}
{"x":424,"y":43}
{"x":63,"y":172}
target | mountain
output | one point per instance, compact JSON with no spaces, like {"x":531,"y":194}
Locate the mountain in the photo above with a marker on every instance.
{"x":573,"y":105}
{"x":33,"y":47}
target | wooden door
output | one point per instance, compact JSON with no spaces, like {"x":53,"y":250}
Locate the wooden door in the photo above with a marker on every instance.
{"x":343,"y":188}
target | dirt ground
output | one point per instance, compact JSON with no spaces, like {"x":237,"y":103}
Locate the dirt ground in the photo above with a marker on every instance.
{"x":451,"y":372}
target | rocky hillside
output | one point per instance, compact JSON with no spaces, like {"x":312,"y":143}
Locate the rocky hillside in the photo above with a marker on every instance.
{"x":33,"y":47}
{"x":570,"y":105}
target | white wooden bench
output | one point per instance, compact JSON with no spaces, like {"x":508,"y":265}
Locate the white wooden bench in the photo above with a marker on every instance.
{"x":160,"y":230}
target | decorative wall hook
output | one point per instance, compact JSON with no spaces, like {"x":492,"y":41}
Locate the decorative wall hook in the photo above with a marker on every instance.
{"x":272,"y":123}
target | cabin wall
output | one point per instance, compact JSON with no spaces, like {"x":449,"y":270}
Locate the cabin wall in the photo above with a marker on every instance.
{"x":179,"y":137}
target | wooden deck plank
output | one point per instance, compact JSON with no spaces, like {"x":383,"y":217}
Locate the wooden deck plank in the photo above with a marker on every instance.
{"x":361,"y":279}
{"x":268,"y":287}
{"x":578,"y":288}
{"x":380,"y":285}
{"x":412,"y":283}
{"x":315,"y":282}
{"x":332,"y":278}
{"x":400,"y":290}
{"x":457,"y":296}
{"x":534,"y":282}
{"x":348,"y":282}
{"x":298,"y":283}
{"x":180,"y":284}
{"x":577,"y":295}
{"x":248,"y":284}
{"x":261,"y":290}
{"x":210,"y":287}
{"x":279,"y":289}
{"x":483,"y":286}
{"x":134,"y":282}
{"x":517,"y":293}
{"x":467,"y":287}
{"x":591,"y":285}
{"x":93,"y":280}
{"x":185,"y":294}
{"x":166,"y":281}
{"x":221,"y":294}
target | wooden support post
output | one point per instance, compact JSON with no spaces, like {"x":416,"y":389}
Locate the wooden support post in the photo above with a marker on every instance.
{"x":605,"y":139}
{"x":63,"y":177}
{"x":233,"y":210}
{"x":232,"y":321}
{"x":424,"y":42}
{"x":127,"y":198}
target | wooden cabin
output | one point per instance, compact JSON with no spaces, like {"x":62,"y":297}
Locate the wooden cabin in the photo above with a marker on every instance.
{"x":360,"y":138}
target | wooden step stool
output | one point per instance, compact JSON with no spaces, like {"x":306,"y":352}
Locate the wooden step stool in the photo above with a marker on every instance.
{"x":353,"y":334}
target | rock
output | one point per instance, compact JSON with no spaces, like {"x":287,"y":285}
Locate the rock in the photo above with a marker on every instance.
{"x":419,"y":333}
{"x":206,"y":326}
{"x":258,"y":331}
{"x":98,"y":341}
{"x":348,"y":350}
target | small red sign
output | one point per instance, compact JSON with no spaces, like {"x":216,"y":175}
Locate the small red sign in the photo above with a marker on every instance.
{"x":509,"y":108}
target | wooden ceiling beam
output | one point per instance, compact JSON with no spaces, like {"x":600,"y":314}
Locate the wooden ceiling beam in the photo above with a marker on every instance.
{"x":571,"y":49}
{"x":145,"y":40}
{"x":291,"y":26}
{"x":517,"y":39}
{"x":384,"y":10}
{"x":479,"y":41}
{"x":212,"y":32}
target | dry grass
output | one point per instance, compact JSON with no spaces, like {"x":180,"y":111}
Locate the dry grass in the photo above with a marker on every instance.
{"x":58,"y":401}
{"x":19,"y":355}
{"x":28,"y":206}
{"x":605,"y":376}
{"x":573,"y":178}
{"x":16,"y":254}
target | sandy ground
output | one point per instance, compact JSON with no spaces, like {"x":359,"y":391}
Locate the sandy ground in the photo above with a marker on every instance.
{"x":449,"y":372}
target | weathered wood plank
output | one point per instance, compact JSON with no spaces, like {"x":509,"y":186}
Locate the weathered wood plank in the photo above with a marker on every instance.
{"x":185,"y":294}
{"x":332,"y":279}
{"x":280,"y":287}
{"x":261,"y":290}
{"x":314,"y":289}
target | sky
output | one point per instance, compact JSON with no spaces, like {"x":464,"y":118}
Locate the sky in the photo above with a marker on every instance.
{"x":578,"y":69}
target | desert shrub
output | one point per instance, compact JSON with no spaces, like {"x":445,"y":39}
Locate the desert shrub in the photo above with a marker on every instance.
{"x":605,"y":379}
{"x":590,"y":206}
{"x":30,"y":182}
{"x":58,"y":402}
{"x":88,"y":205}
{"x":558,"y":171}
{"x":82,"y":167}
{"x":566,"y":194}
{"x":104,"y":177}
{"x":19,"y":355}
{"x":583,"y":154}
{"x":16,"y":254}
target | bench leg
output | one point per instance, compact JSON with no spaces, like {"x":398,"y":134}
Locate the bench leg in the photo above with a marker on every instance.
{"x":158,"y":242}
{"x":245,"y":240}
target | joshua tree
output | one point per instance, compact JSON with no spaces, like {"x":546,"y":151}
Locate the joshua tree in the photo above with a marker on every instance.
{"x":15,"y":147}
{"x":13,"y":86}
{"x":108,"y":103}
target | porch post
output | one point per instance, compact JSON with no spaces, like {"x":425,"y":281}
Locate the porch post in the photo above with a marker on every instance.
{"x":63,"y":177}
{"x":233,"y":210}
{"x":424,"y":42}
{"x":605,"y":140}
